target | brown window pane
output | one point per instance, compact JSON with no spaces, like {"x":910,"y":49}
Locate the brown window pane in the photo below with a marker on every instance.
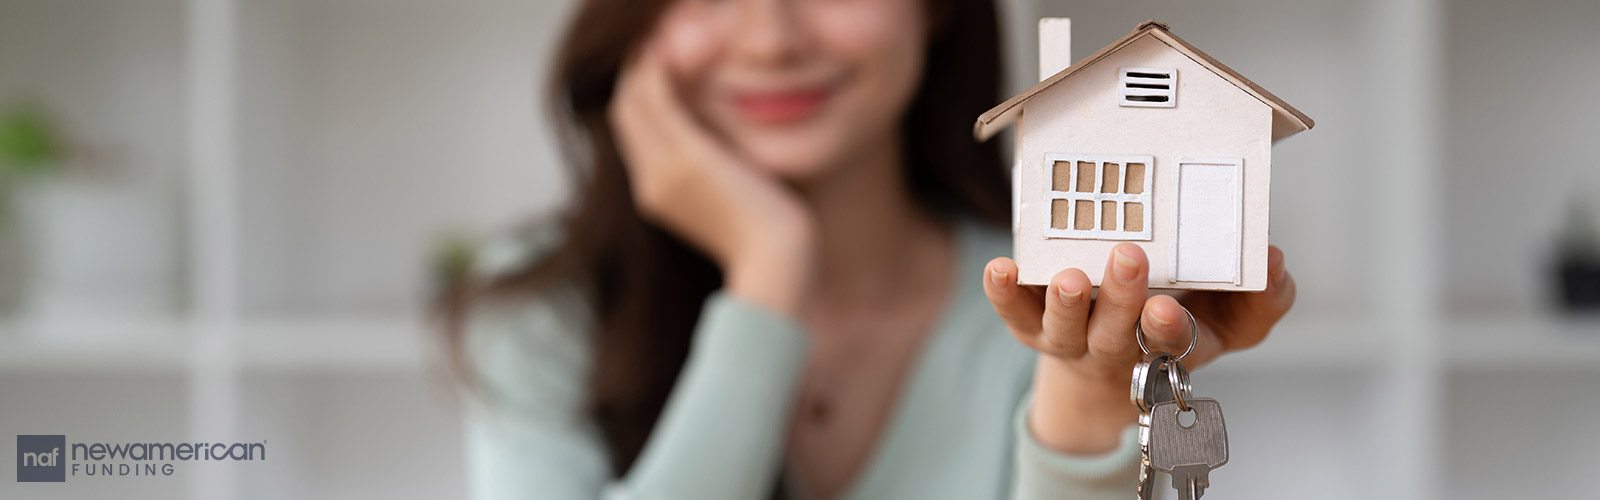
{"x":1086,"y":177}
{"x":1108,"y":215}
{"x":1108,"y":180}
{"x":1061,"y":176}
{"x":1059,"y":218}
{"x":1135,"y":178}
{"x":1084,"y":216}
{"x":1133,"y":216}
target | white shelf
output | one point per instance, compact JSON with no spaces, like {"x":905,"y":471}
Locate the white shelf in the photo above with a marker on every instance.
{"x":385,"y":343}
{"x":289,"y":344}
{"x":154,"y":345}
{"x":1317,"y":343}
{"x":1525,"y":342}
{"x":377,"y":344}
{"x":334,"y":344}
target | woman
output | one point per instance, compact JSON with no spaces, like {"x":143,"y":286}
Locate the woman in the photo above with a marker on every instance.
{"x":769,"y":282}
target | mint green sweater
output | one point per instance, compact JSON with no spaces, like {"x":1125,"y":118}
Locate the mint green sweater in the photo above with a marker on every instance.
{"x":958,"y":431}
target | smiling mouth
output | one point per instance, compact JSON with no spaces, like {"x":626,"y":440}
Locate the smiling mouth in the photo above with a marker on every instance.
{"x":781,"y":107}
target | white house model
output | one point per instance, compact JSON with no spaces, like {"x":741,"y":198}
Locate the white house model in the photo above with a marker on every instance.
{"x":1147,"y":141}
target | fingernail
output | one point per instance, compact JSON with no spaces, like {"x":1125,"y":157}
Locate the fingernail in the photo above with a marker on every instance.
{"x":1158,"y":320}
{"x":997,"y":277}
{"x":1126,"y":268}
{"x":1068,"y":297}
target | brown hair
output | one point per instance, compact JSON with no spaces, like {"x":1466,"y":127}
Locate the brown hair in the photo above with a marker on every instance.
{"x":645,"y":287}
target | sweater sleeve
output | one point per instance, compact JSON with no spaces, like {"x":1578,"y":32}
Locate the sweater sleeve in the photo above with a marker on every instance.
{"x":720,"y":435}
{"x":1043,"y":473}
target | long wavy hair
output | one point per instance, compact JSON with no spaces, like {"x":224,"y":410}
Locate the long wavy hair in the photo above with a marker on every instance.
{"x":644,"y":287}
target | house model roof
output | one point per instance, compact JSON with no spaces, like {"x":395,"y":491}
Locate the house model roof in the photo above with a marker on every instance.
{"x":1286,"y":120}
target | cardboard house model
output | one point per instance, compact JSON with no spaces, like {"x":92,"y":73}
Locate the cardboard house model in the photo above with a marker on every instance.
{"x":1147,"y":141}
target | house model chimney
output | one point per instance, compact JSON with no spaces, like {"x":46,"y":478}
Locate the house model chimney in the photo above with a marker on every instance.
{"x":1055,"y":45}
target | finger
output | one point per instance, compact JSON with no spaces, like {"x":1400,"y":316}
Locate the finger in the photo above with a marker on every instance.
{"x":669,"y":118}
{"x":644,"y":88}
{"x":1275,"y":301}
{"x":1256,"y":313}
{"x":1066,"y":316}
{"x":652,"y":134}
{"x":1020,"y":307}
{"x":627,"y":112}
{"x":658,"y":94}
{"x":655,"y":87}
{"x":1242,"y":320}
{"x":1166,"y":326}
{"x":1123,"y":289}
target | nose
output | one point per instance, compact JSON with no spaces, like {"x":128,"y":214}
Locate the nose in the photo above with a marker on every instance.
{"x":769,"y":32}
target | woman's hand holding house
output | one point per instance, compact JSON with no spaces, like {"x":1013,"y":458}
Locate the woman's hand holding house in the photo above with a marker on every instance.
{"x":1087,"y":347}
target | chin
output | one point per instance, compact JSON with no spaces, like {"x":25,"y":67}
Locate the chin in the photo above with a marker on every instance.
{"x":792,"y":156}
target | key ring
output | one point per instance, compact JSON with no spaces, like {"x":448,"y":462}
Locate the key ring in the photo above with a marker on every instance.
{"x":1178,"y":376}
{"x":1194,"y":335}
{"x":1146,"y":389}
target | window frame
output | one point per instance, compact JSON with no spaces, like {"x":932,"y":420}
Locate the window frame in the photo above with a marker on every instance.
{"x":1124,"y":91}
{"x":1145,"y":197}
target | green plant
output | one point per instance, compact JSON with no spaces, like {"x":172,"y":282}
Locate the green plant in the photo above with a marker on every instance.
{"x":28,"y":140}
{"x":453,"y":257}
{"x":29,"y":146}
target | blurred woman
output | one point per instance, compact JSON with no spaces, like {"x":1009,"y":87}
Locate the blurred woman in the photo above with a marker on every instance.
{"x":782,"y":274}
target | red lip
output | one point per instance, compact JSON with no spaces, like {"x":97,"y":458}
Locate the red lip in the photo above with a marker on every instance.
{"x":780,"y":107}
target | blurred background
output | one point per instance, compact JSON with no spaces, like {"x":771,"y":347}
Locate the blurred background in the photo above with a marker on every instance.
{"x":220,"y":220}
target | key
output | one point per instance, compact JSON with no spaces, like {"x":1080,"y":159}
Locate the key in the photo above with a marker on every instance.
{"x":1190,"y":481}
{"x":1151,"y":385}
{"x":1147,"y":474}
{"x":1189,"y":453}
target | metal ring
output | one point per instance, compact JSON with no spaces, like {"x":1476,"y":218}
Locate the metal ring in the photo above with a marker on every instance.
{"x":1145,"y":386}
{"x":1194,"y":335}
{"x":1179,"y":378}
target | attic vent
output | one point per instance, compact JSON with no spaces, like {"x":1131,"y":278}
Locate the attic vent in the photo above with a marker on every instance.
{"x":1149,"y":87}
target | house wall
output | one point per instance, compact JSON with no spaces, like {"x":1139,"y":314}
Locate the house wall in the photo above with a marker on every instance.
{"x":1213,"y":118}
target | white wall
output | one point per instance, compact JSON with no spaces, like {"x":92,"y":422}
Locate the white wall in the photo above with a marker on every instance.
{"x":373,"y":128}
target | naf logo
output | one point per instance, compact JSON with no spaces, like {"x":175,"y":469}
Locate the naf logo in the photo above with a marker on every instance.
{"x":41,"y":458}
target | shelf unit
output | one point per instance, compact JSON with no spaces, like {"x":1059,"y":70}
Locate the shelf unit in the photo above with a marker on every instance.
{"x":311,"y":151}
{"x":1533,"y":343}
{"x":317,"y":126}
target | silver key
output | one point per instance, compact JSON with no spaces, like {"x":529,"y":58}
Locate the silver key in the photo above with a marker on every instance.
{"x":1151,"y":385}
{"x":1188,"y":453}
{"x":1190,"y":481}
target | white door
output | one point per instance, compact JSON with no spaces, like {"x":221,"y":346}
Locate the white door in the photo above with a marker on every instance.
{"x":1210,"y":220}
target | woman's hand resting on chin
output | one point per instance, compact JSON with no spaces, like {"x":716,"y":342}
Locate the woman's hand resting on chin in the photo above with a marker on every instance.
{"x":753,"y":226}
